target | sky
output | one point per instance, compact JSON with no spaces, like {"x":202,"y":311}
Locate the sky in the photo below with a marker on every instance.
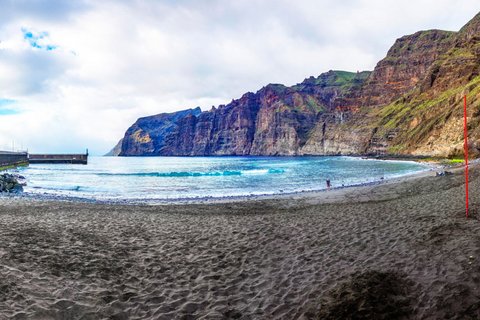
{"x":76,"y":74}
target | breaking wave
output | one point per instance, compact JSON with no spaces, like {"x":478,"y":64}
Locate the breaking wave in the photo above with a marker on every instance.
{"x":179,"y":174}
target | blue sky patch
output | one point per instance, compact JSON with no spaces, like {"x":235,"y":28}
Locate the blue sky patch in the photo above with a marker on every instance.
{"x":6,"y":111}
{"x":37,"y":39}
{"x":5,"y":102}
{"x":4,"y":107}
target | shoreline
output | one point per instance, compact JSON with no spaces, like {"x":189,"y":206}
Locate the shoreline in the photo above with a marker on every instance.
{"x":429,"y":167}
{"x":210,"y":199}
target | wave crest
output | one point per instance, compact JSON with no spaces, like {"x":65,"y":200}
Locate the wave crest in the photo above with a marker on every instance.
{"x":180,"y":174}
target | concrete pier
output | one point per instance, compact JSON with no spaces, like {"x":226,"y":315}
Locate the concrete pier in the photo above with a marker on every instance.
{"x":12,"y":159}
{"x":58,"y":158}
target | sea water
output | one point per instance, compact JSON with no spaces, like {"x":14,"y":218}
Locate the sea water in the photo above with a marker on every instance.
{"x":175,"y":178}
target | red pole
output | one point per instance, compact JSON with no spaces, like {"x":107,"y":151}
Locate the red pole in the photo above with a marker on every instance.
{"x":465,"y":150}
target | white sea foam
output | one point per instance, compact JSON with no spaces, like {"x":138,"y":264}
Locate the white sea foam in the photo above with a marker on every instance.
{"x":194,"y":177}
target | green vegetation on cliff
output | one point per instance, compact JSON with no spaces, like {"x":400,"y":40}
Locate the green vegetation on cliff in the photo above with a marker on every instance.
{"x":410,"y":104}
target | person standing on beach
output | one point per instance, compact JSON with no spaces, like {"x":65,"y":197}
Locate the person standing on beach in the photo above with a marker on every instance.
{"x":328,"y":184}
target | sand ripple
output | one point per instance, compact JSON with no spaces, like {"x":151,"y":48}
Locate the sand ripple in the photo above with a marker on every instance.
{"x":301,"y":257}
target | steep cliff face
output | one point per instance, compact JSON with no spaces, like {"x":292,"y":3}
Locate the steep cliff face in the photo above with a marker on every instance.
{"x":428,"y":120}
{"x":405,"y":65}
{"x":283,"y":121}
{"x":409,"y":104}
{"x":276,"y":120}
{"x":228,"y":129}
{"x":354,"y":129}
{"x":164,"y":133}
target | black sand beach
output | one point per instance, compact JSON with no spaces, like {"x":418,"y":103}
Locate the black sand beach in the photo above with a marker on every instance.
{"x":399,"y":250}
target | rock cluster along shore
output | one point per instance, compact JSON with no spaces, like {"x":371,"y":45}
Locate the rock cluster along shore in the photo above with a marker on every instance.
{"x":11,"y":183}
{"x":410,"y":104}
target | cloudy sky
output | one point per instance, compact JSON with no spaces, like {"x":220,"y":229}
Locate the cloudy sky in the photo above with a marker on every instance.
{"x":77,"y":74}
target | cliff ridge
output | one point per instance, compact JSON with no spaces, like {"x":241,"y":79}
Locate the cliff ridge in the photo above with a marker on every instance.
{"x":410,"y":104}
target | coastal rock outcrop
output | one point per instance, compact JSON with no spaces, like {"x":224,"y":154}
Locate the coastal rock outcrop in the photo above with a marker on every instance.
{"x":161,"y":134}
{"x":410,"y":104}
{"x":11,"y":183}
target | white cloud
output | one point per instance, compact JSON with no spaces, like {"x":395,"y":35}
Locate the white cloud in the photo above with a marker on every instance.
{"x":118,"y":60}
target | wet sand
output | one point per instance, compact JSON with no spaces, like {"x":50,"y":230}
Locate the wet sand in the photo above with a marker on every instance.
{"x":399,"y":250}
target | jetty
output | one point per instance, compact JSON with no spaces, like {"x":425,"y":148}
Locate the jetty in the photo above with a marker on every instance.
{"x":10,"y":159}
{"x":59,"y":158}
{"x":13,"y":159}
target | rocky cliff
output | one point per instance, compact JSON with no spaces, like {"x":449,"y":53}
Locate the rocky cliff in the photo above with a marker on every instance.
{"x":409,"y":104}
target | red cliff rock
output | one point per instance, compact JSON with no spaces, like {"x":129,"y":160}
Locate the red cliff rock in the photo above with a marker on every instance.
{"x":410,"y":104}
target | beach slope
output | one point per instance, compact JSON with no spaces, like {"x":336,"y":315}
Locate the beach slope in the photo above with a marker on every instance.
{"x":399,"y":250}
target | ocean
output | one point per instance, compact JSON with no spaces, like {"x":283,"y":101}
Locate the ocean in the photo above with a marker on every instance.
{"x":179,"y":178}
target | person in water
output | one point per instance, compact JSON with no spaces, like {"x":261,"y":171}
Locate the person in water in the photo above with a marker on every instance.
{"x":328,"y":184}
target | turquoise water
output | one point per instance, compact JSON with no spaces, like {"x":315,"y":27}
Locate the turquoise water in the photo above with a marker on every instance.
{"x":161,"y":178}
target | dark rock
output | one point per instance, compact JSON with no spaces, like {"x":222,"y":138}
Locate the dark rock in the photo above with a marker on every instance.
{"x":11,"y":183}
